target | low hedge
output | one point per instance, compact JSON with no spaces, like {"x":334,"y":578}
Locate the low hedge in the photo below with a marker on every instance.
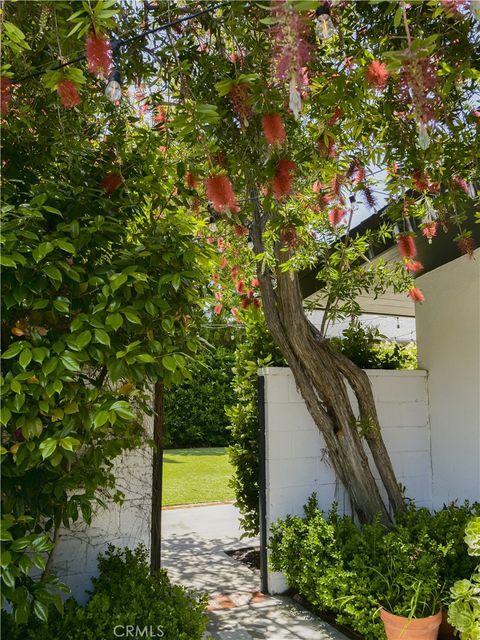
{"x":348,"y":571}
{"x":124,"y":594}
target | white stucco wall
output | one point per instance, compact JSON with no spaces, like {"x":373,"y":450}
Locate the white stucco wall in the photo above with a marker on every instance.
{"x":123,"y":525}
{"x":296,"y":461}
{"x":448,"y":338}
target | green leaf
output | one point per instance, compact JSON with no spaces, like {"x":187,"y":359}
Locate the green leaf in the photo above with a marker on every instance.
{"x":48,"y":447}
{"x":5,"y":415}
{"x":25,"y":358}
{"x":14,"y":349}
{"x":118,"y":281}
{"x":169,"y":363}
{"x":83,"y":339}
{"x":42,"y":250}
{"x":69,"y":443}
{"x":132,"y":317}
{"x":41,"y":610}
{"x":100,"y":418}
{"x":69,"y":362}
{"x":53,"y":273}
{"x":102,"y":337}
{"x":66,"y":246}
{"x":122,"y":409}
{"x":114,"y":320}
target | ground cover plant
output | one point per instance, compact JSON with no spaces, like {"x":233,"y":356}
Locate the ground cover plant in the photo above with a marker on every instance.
{"x":350,"y":571}
{"x":192,"y":475}
{"x":124,"y":593}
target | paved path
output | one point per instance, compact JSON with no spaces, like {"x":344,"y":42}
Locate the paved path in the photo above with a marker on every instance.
{"x":193,"y":552}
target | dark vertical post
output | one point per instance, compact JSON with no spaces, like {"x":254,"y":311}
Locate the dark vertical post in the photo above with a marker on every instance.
{"x":157,"y":477}
{"x":262,"y":484}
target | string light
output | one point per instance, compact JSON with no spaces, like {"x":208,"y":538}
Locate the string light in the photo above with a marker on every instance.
{"x":250,"y":242}
{"x":324,"y":26}
{"x":212,"y":223}
{"x":113,"y":90}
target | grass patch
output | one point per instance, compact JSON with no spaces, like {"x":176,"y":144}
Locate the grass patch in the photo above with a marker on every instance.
{"x":191,"y":476}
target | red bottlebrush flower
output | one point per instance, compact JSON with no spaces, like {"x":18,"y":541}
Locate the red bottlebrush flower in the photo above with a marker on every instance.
{"x":418,"y":81}
{"x":416,"y":295}
{"x":369,"y":197}
{"x":223,"y":262}
{"x":317,"y":187}
{"x":377,"y":74}
{"x":292,"y":50}
{"x":467,"y":245}
{"x":327,"y":148}
{"x":111,"y":182}
{"x":240,"y":230}
{"x":459,"y":183}
{"x":240,"y":286}
{"x":420,"y":180}
{"x":68,"y":94}
{"x":217,"y":309}
{"x":160,"y":117}
{"x":220,"y":193}
{"x":406,"y":245}
{"x":430,"y":229}
{"x":359,"y":175}
{"x":5,"y":94}
{"x":273,"y":128}
{"x":234,"y":272}
{"x":210,"y":240}
{"x":221,"y":244}
{"x":255,"y":283}
{"x":191,"y":180}
{"x":99,"y":54}
{"x":239,"y":99}
{"x":283,"y":180}
{"x":289,"y":236}
{"x":337,"y":184}
{"x":256,"y":303}
{"x":335,"y":117}
{"x":336,"y":215}
{"x":414,"y":266}
{"x":218,"y":296}
{"x":245,"y":303}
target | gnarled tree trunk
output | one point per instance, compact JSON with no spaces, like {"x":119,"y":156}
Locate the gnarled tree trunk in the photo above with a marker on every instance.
{"x":322,"y":376}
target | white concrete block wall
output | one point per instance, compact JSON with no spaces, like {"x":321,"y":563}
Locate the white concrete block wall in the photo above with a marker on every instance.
{"x":296,"y":460}
{"x":448,"y":333}
{"x":123,"y":525}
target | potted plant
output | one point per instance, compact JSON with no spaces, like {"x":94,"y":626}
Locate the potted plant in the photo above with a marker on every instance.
{"x":410,"y":592}
{"x":464,"y":609}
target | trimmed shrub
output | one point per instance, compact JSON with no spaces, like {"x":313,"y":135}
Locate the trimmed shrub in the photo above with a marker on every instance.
{"x":124,"y":594}
{"x":195,"y":410}
{"x":350,"y":572}
{"x":256,"y":351}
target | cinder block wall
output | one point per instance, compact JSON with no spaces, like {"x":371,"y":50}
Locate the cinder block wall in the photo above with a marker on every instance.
{"x":296,"y":460}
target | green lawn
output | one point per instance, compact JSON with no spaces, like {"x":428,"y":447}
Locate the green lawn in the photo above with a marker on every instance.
{"x":196,"y":475}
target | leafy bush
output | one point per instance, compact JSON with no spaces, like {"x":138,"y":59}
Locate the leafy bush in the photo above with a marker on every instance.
{"x":195,"y":410}
{"x":464,"y":611}
{"x":369,"y":349}
{"x":351,"y":571}
{"x":125,"y":593}
{"x":256,"y":351}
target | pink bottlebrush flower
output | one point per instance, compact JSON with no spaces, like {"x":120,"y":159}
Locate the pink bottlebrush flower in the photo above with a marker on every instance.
{"x":283,"y":181}
{"x":459,"y":183}
{"x":234,"y":271}
{"x":336,"y":215}
{"x":317,"y":187}
{"x":240,"y":101}
{"x":255,"y":283}
{"x":327,"y":148}
{"x":221,"y":244}
{"x":223,"y":262}
{"x":191,"y":180}
{"x":430,"y":229}
{"x":417,"y":85}
{"x":220,"y":193}
{"x":336,"y":184}
{"x":406,"y":245}
{"x":335,"y":117}
{"x":68,"y":94}
{"x":416,"y":295}
{"x":240,"y":286}
{"x":111,"y":182}
{"x":218,"y":296}
{"x":163,"y":149}
{"x":160,"y":117}
{"x":210,"y":240}
{"x":359,"y":175}
{"x":467,"y":245}
{"x":5,"y":94}
{"x":377,"y":74}
{"x":414,"y":266}
{"x":217,"y":309}
{"x":273,"y":128}
{"x":99,"y":54}
{"x":323,"y":200}
{"x":240,"y":230}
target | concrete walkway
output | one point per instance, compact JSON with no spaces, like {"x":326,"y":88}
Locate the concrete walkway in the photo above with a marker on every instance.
{"x":193,"y":552}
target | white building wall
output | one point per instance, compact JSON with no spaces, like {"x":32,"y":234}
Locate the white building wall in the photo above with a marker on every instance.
{"x":123,"y":525}
{"x":448,"y":338}
{"x":296,"y":461}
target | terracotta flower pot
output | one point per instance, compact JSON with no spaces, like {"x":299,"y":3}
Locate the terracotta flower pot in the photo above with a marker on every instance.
{"x":400,"y":628}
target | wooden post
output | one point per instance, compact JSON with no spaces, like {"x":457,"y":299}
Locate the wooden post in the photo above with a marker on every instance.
{"x":157,"y":477}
